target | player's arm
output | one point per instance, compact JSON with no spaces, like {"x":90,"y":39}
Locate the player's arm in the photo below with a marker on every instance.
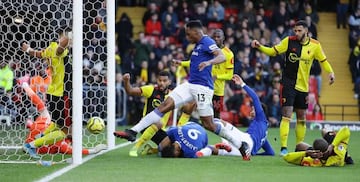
{"x":294,"y":157}
{"x":320,"y":55}
{"x":229,"y":68}
{"x":63,"y":44}
{"x":135,"y":91}
{"x":272,"y":51}
{"x":268,"y":150}
{"x":256,"y":101}
{"x":185,"y":63}
{"x":219,"y":57}
{"x":32,"y":52}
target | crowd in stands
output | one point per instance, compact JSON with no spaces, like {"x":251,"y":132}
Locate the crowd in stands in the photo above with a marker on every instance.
{"x":163,"y":39}
{"x":354,"y":42}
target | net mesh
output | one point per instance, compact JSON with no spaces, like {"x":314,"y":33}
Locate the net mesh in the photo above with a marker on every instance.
{"x":36,"y":22}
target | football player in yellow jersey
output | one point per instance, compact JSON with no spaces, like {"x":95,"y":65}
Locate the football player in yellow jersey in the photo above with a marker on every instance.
{"x":54,"y":55}
{"x":300,"y":51}
{"x":324,"y":154}
{"x":220,"y":72}
{"x":154,"y":94}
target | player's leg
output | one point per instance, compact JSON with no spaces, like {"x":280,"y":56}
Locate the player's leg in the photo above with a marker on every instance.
{"x":187,"y":109}
{"x":300,"y":108}
{"x":203,"y":97}
{"x":146,"y":136}
{"x":300,"y":127}
{"x":176,"y":98}
{"x":287,"y":99}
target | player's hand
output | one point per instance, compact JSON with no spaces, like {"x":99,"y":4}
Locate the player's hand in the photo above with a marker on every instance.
{"x":255,"y":44}
{"x":329,"y":151}
{"x":331,"y":78}
{"x":126,"y":77}
{"x":202,"y":65}
{"x":315,"y":154}
{"x":237,"y":79}
{"x":24,"y":46}
{"x":176,"y":62}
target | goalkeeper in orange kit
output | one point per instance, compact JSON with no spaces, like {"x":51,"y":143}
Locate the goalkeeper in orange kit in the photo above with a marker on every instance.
{"x":40,"y":130}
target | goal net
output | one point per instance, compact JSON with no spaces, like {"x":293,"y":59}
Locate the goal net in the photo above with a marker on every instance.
{"x":38,"y":23}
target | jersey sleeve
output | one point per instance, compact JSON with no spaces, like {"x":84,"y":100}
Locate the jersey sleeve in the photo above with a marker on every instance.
{"x":320,"y":56}
{"x":268,"y":150}
{"x":259,"y":113}
{"x":300,"y":158}
{"x":147,"y":90}
{"x":277,"y":49}
{"x":319,"y":53}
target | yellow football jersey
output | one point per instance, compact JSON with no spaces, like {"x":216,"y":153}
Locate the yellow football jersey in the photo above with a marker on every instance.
{"x":223,"y":71}
{"x":57,"y":68}
{"x":298,"y":60}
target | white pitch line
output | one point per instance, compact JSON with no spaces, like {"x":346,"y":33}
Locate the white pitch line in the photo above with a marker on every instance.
{"x":72,"y":166}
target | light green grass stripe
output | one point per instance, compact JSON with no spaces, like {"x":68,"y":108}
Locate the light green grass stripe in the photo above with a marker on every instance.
{"x":72,"y":166}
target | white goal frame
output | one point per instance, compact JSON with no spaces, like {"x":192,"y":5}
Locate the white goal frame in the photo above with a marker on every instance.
{"x":77,"y":78}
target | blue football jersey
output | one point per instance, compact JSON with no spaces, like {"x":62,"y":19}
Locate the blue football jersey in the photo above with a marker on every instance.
{"x":203,"y":51}
{"x":191,"y":137}
{"x":258,"y":127}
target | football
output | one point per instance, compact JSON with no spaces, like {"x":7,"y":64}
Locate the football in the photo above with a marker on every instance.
{"x":95,"y":125}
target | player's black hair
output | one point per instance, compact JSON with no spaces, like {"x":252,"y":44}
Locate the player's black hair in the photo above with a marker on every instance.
{"x":301,"y":23}
{"x":320,"y":144}
{"x":218,"y":30}
{"x":194,"y":24}
{"x":164,"y":73}
{"x":168,"y":151}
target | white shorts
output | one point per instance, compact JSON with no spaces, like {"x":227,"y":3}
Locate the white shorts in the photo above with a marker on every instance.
{"x":187,"y":92}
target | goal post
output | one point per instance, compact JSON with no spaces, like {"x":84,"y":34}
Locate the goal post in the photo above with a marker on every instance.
{"x":92,"y":58}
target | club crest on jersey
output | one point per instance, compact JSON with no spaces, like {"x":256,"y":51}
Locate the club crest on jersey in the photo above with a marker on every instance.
{"x":155,"y":103}
{"x":340,"y":147}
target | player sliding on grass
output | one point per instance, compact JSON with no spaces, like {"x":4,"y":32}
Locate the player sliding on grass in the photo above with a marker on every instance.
{"x":323,"y":153}
{"x":42,"y":131}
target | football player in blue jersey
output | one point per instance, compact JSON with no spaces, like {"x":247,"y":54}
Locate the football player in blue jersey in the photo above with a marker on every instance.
{"x":256,"y":135}
{"x":199,"y":88}
{"x":183,"y":141}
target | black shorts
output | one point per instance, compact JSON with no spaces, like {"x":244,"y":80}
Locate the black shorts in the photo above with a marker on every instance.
{"x":292,"y":97}
{"x":56,"y":107}
{"x":329,"y":136}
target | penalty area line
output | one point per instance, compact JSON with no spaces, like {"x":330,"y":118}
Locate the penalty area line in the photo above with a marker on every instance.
{"x":72,"y":166}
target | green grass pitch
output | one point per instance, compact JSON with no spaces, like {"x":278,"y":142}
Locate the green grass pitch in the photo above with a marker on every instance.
{"x":116,"y":165}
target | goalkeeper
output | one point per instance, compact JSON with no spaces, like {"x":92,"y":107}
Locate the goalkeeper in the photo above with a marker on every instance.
{"x":40,"y":132}
{"x":55,"y":55}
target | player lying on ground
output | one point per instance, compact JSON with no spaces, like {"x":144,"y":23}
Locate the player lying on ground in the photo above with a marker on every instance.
{"x":323,"y":154}
{"x":41,"y":133}
{"x":329,"y":136}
